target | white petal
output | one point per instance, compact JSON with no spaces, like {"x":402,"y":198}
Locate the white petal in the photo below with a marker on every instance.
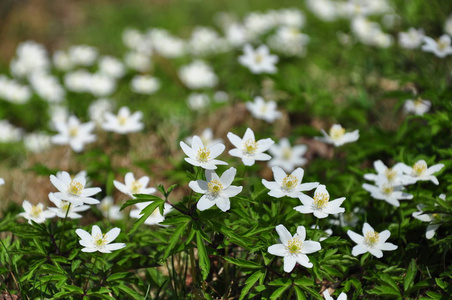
{"x":289,"y":263}
{"x":223,"y":203}
{"x":431,"y":231}
{"x":235,"y":140}
{"x":311,"y":247}
{"x":115,"y":246}
{"x":279,"y":175}
{"x":357,"y":238}
{"x":301,"y":231}
{"x":376,"y":252}
{"x":84,"y":235}
{"x":284,"y":234}
{"x":199,"y":186}
{"x":367,"y":228}
{"x":303,"y":260}
{"x":95,"y":231}
{"x":204,"y":203}
{"x":388,"y":247}
{"x":112,"y":234}
{"x":358,"y":250}
{"x":277,"y":249}
{"x":228,"y":177}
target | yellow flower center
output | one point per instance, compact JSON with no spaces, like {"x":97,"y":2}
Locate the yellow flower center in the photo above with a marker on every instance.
{"x":258,"y":58}
{"x":65,"y":206}
{"x":321,"y":200}
{"x":390,"y":174}
{"x":387,"y":189}
{"x":100,"y":240}
{"x":442,"y":45}
{"x":215,"y":188}
{"x":122,"y":120}
{"x":289,"y":183}
{"x":250,"y":147}
{"x":337,"y":132}
{"x":135,"y":187}
{"x":73,"y":131}
{"x":294,"y":245}
{"x":203,"y":154}
{"x":36,"y":211}
{"x":287,"y":153}
{"x":419,"y":168}
{"x":371,"y":238}
{"x":75,"y":188}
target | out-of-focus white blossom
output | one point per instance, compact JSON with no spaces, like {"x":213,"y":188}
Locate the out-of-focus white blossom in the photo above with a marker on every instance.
{"x":145,"y":84}
{"x":30,"y":57}
{"x":220,"y":97}
{"x":198,"y":75}
{"x":124,"y":122}
{"x":82,"y":55}
{"x":417,"y":107}
{"x":98,"y":108}
{"x":73,"y":133}
{"x":9,"y":133}
{"x":109,"y":210}
{"x":326,"y":10}
{"x":198,"y":101}
{"x":62,"y":61}
{"x":264,"y":110}
{"x":287,"y":157}
{"x":205,"y":41}
{"x":37,"y":142}
{"x":111,"y":66}
{"x":289,"y":41}
{"x":167,"y":45}
{"x":411,"y":39}
{"x":138,"y":61}
{"x":14,"y":92}
{"x":258,"y":60}
{"x":47,"y":87}
{"x":441,"y":47}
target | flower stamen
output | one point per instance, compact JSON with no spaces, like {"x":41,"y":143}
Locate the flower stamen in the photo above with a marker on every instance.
{"x":215,"y":188}
{"x":75,"y":188}
{"x":321,"y":200}
{"x":203,"y":155}
{"x":371,"y":238}
{"x":135,"y":187}
{"x":419,"y":168}
{"x":289,"y":183}
{"x":250,"y":147}
{"x":36,"y":211}
{"x":294,"y":245}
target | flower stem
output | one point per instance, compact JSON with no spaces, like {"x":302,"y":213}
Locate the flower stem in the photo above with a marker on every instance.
{"x":64,"y":222}
{"x":85,"y":289}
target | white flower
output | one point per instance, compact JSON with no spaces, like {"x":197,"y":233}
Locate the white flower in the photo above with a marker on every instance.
{"x":220,"y":97}
{"x":37,"y":142}
{"x":326,"y":10}
{"x":78,"y":81}
{"x":155,"y":218}
{"x":371,"y":241}
{"x":31,"y":58}
{"x":10,"y":133}
{"x":411,"y":39}
{"x":35,"y":213}
{"x":133,"y":186}
{"x":14,"y":92}
{"x":82,"y":55}
{"x":74,"y":133}
{"x":47,"y":87}
{"x":64,"y":207}
{"x":96,"y":241}
{"x":393,"y":176}
{"x":431,"y":228}
{"x":167,"y":45}
{"x":124,"y":122}
{"x":288,"y":185}
{"x":138,"y":61}
{"x":206,"y":137}
{"x":203,"y":156}
{"x":259,"y":60}
{"x":205,"y":41}
{"x":420,"y":172}
{"x":287,"y":157}
{"x":109,"y":210}
{"x":294,"y":249}
{"x":216,"y":190}
{"x":2,"y":181}
{"x":338,"y":137}
{"x":342,"y":296}
{"x":289,"y":41}
{"x":320,"y":205}
{"x":101,"y":85}
{"x":387,"y":192}
{"x":62,"y":60}
{"x":448,"y":25}
{"x":111,"y":66}
{"x":198,"y":75}
{"x":248,"y":149}
{"x":417,"y":107}
{"x":441,"y":47}
{"x":198,"y":101}
{"x":73,"y":190}
{"x":144,"y":84}
{"x":97,"y":110}
{"x":264,"y":110}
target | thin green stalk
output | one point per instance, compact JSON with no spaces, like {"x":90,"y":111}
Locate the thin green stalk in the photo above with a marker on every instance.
{"x":174,"y":276}
{"x":64,"y":222}
{"x":85,"y":289}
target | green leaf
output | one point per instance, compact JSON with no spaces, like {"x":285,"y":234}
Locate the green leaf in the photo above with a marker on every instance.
{"x":118,"y":276}
{"x":408,"y":281}
{"x":250,"y":282}
{"x":174,"y":239}
{"x":277,"y":294}
{"x":299,"y":293}
{"x":140,"y":198}
{"x":130,"y":292}
{"x":146,"y":212}
{"x":243,"y":263}
{"x":204,"y":261}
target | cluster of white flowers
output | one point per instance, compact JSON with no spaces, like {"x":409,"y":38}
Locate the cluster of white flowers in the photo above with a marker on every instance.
{"x":198,"y":75}
{"x":12,"y":91}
